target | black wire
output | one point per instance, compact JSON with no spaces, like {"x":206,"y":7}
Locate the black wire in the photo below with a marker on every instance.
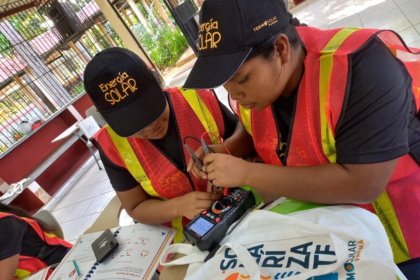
{"x":196,"y":139}
{"x":191,"y":137}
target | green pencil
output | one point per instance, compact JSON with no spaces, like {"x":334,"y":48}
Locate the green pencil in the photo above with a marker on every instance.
{"x":77,"y":268}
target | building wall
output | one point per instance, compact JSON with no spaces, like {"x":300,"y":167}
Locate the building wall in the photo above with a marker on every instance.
{"x":33,"y":151}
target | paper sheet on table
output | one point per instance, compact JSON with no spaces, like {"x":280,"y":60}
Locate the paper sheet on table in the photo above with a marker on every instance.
{"x":137,"y":256}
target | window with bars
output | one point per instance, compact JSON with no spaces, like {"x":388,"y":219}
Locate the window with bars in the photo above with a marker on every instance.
{"x":42,"y":59}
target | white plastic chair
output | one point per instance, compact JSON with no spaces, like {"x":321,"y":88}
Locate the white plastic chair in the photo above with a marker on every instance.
{"x":48,"y":218}
{"x":109,"y":216}
{"x":92,"y":111}
{"x":89,"y":127}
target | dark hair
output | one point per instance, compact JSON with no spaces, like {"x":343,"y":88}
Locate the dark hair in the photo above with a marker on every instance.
{"x":266,"y":48}
{"x":22,"y":213}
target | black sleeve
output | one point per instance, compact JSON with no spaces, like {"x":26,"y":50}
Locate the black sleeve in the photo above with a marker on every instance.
{"x":373,"y":124}
{"x":230,"y":120}
{"x":120,"y":178}
{"x":11,"y":237}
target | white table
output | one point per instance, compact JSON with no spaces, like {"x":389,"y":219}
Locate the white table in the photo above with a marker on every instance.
{"x":74,"y":129}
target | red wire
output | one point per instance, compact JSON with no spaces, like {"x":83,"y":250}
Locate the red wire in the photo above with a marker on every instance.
{"x":226,"y":191}
{"x":218,"y":138}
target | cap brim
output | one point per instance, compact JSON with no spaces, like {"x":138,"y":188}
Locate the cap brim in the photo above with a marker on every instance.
{"x":139,"y":114}
{"x":215,"y":70}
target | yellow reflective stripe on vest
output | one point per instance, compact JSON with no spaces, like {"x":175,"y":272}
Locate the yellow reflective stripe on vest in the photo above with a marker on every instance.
{"x":246,"y":119}
{"x":177,"y":225}
{"x":386,"y":213}
{"x":134,"y":167}
{"x":131,"y":161}
{"x":383,"y":205}
{"x":202,"y":112}
{"x":326,"y":65}
{"x":21,"y":274}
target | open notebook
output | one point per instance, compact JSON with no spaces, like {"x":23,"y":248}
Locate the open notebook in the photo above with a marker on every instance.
{"x":137,"y":257}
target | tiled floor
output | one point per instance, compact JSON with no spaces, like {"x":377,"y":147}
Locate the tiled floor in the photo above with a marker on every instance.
{"x":79,"y":202}
{"x":402,"y":16}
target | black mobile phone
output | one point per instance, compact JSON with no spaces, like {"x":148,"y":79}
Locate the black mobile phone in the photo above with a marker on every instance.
{"x":104,"y":245}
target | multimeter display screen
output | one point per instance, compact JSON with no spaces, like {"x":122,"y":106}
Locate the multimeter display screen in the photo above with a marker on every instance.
{"x":201,"y":226}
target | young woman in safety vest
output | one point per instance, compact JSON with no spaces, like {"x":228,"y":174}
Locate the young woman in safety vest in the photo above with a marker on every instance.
{"x":142,"y":147}
{"x":26,"y":244}
{"x":332,"y":113}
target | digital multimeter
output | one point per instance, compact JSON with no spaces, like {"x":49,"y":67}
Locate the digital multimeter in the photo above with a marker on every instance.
{"x":210,"y":226}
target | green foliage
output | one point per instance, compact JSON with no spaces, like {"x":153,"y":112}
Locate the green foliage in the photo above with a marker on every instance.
{"x":100,"y":37}
{"x":6,"y":49}
{"x":29,"y":25}
{"x":2,"y":149}
{"x":114,"y":35}
{"x":78,"y":89}
{"x":165,"y":46}
{"x":89,"y":44}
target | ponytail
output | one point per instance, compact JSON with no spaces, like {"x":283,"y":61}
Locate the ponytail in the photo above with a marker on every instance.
{"x":22,"y":213}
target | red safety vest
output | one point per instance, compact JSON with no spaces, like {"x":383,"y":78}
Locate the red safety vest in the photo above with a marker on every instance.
{"x":318,"y":107}
{"x":28,"y":265}
{"x":195,"y":112}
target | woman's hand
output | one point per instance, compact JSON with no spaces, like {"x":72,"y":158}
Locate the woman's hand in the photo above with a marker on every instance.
{"x":193,"y":168}
{"x":225,"y":170}
{"x":193,"y":203}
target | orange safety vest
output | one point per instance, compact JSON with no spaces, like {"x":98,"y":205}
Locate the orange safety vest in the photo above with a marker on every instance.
{"x":318,"y":107}
{"x":195,"y":113}
{"x":29,"y":265}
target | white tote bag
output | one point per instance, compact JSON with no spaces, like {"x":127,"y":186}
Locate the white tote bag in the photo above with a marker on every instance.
{"x":327,"y":243}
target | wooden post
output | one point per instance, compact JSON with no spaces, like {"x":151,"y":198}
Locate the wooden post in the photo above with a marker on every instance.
{"x":106,"y":33}
{"x":123,"y":31}
{"x":124,"y":12}
{"x":162,"y":12}
{"x":77,"y":51}
{"x":146,"y":7}
{"x":140,"y":16}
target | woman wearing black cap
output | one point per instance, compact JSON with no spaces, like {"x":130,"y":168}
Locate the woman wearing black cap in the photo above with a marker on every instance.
{"x":142,"y":145}
{"x":332,"y":113}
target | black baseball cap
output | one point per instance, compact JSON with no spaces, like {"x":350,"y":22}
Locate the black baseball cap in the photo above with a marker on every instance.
{"x":227,"y":32}
{"x":124,"y":91}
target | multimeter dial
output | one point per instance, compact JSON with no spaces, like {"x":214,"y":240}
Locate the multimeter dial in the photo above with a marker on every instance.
{"x":222,"y":205}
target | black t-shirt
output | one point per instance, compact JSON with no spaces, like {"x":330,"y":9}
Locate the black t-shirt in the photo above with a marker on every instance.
{"x":171,"y":146}
{"x":18,"y":237}
{"x":378,"y":107}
